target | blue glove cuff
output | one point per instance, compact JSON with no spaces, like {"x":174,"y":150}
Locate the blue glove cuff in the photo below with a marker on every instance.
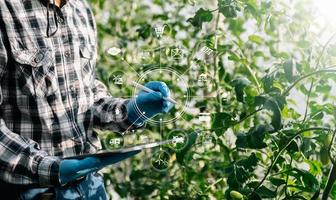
{"x":133,"y":114}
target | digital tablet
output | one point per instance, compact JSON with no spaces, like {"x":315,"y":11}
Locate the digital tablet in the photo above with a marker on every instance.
{"x":126,"y":150}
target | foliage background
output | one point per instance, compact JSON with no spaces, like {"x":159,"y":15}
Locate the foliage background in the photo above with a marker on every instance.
{"x":271,"y":75}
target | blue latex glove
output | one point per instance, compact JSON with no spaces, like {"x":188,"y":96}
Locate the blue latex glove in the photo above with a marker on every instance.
{"x":149,"y":104}
{"x":72,"y":169}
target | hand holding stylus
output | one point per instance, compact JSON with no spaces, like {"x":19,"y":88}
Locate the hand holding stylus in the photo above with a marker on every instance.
{"x":153,"y":98}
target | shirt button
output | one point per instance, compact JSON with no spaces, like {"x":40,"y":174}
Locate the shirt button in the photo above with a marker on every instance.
{"x":67,"y":54}
{"x":72,"y":88}
{"x":60,"y":20}
{"x":38,"y":57}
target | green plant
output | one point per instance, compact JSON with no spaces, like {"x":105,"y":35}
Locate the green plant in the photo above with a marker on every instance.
{"x":272,"y":112}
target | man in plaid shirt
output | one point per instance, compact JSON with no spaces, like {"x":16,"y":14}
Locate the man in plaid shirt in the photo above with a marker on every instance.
{"x":50,"y":101}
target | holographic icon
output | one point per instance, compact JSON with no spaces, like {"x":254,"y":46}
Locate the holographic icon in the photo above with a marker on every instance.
{"x":159,"y":30}
{"x":205,"y":138}
{"x":203,"y":53}
{"x":204,"y":117}
{"x":118,"y":79}
{"x":179,"y":138}
{"x":176,"y":53}
{"x":144,"y":54}
{"x":160,"y":160}
{"x":114,"y":141}
{"x":114,"y":51}
{"x":207,"y":50}
{"x":203,"y":78}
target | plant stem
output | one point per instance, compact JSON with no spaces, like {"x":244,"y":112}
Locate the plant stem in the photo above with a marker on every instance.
{"x":254,"y":77}
{"x":283,"y":148}
{"x":215,"y":183}
{"x":330,"y":183}
{"x":308,"y":99}
{"x":215,"y":63}
{"x":332,"y":174}
{"x":287,"y":177}
{"x":322,"y":71}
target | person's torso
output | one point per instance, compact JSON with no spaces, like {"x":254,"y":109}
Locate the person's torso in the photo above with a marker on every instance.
{"x":49,"y":81}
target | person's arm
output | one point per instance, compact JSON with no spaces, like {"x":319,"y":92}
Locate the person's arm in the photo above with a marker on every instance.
{"x":110,"y":112}
{"x":21,"y":160}
{"x":149,"y":104}
{"x":121,"y":114}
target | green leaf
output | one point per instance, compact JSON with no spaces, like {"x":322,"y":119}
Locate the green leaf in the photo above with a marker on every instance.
{"x":222,"y":49}
{"x":229,"y":8}
{"x":190,"y":142}
{"x":323,"y":89}
{"x":271,"y":104}
{"x":237,"y":176}
{"x":305,"y":181}
{"x":221,"y":122}
{"x":236,"y":26}
{"x":239,"y":85}
{"x":241,"y":171}
{"x":256,"y":39}
{"x":333,"y":192}
{"x":145,"y":31}
{"x":288,"y":66}
{"x":253,"y":139}
{"x":249,"y":163}
{"x":252,"y":7}
{"x":254,"y":196}
{"x":277,"y":181}
{"x":201,"y":17}
{"x":267,"y":81}
{"x":315,"y":167}
{"x":264,"y":192}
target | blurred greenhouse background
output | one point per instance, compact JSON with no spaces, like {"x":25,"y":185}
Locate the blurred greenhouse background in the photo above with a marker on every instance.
{"x":227,"y":52}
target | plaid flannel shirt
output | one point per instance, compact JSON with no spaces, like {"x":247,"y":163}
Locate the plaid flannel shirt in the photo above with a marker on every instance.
{"x":49,"y":97}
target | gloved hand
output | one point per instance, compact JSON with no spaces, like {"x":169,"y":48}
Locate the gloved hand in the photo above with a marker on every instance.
{"x":72,"y":169}
{"x":149,"y":104}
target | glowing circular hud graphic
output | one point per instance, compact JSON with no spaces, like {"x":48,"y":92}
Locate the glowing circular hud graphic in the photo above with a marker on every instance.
{"x":160,"y":160}
{"x":181,"y":140}
{"x":178,"y":91}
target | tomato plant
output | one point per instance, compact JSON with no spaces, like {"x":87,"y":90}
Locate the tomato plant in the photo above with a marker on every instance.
{"x":264,"y":71}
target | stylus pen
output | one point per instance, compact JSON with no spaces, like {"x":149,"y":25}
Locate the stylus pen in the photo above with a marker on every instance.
{"x":146,"y":89}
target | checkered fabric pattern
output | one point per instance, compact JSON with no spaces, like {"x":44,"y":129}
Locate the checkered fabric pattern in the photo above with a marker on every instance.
{"x":50,"y":99}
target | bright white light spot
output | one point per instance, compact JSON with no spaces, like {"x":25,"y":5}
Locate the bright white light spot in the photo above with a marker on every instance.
{"x":114,"y":51}
{"x":326,"y":8}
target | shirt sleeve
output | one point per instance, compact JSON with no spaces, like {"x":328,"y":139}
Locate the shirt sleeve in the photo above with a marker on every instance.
{"x":109,"y":112}
{"x":21,"y":160}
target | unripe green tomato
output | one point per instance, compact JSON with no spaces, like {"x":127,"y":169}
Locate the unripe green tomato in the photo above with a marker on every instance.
{"x":236,"y":195}
{"x":324,"y":155}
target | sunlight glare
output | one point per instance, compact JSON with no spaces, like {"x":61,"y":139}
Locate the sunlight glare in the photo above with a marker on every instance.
{"x":327,"y":9}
